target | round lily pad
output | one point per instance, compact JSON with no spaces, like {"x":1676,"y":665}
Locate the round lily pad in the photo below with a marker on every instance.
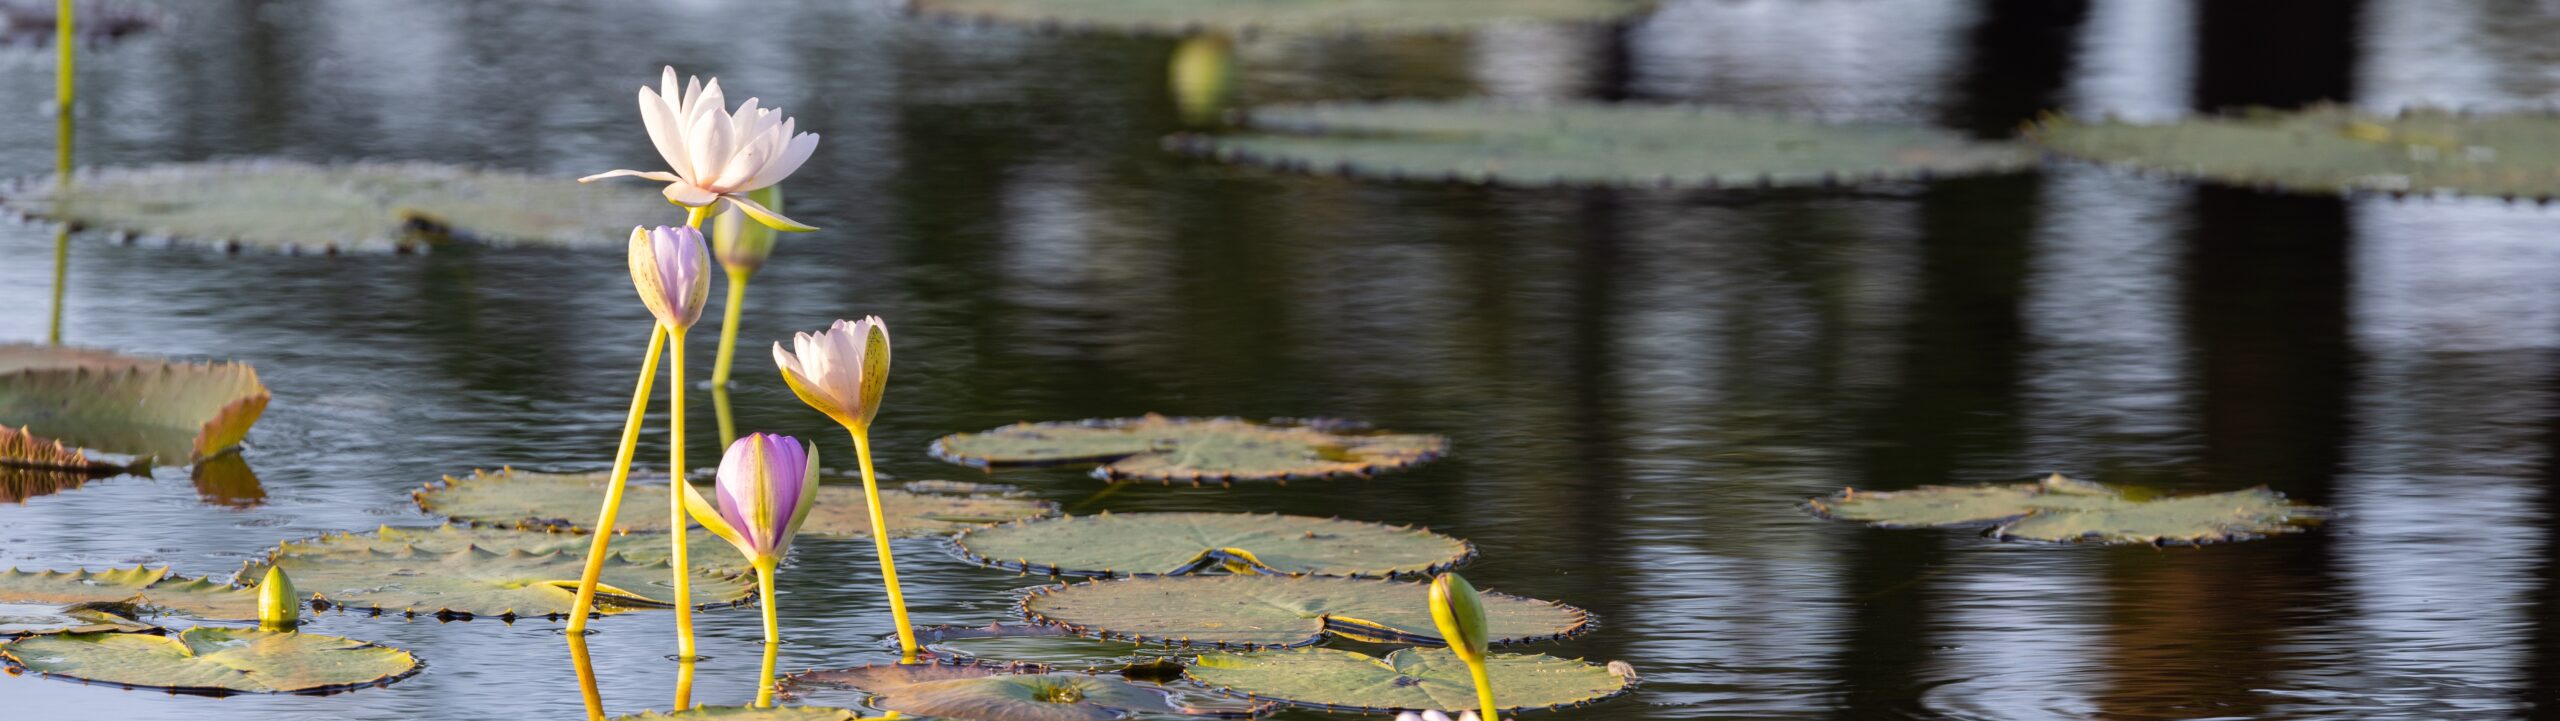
{"x":2060,"y":509}
{"x":997,"y":693}
{"x":1279,"y":611}
{"x":1188,"y":543}
{"x":1186,"y":17}
{"x":293,"y":207}
{"x":134,"y":592}
{"x":1413,"y":679}
{"x":1167,"y":449}
{"x":705,"y":551}
{"x":747,"y":713}
{"x":475,"y":582}
{"x":1594,"y":144}
{"x":2333,"y":149}
{"x":27,"y":619}
{"x":214,"y":660}
{"x":961,"y":488}
{"x":126,"y":404}
{"x":568,"y":502}
{"x":1041,"y":644}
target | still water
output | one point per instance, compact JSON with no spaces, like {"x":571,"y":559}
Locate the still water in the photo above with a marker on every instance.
{"x":1640,"y":386}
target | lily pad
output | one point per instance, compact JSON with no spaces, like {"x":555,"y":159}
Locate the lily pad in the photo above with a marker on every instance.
{"x":705,"y":551}
{"x":2060,"y":509}
{"x":1187,"y":543}
{"x":1413,"y":679}
{"x":293,"y":207}
{"x":26,"y":619}
{"x":1194,"y":449}
{"x":20,"y":448}
{"x":1588,"y":144}
{"x":98,"y":22}
{"x":475,"y":582}
{"x":961,"y":488}
{"x":747,"y":713}
{"x":134,"y":592}
{"x":125,"y":404}
{"x":1187,"y":17}
{"x":1279,"y":611}
{"x":568,"y":502}
{"x":2333,"y":149}
{"x":997,"y":693}
{"x":214,"y":660}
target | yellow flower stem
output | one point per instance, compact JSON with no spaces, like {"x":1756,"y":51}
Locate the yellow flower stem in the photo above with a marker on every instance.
{"x":693,"y":216}
{"x":676,"y":521}
{"x":1484,"y":689}
{"x":586,"y":669}
{"x":61,"y":278}
{"x":728,"y":346}
{"x":880,"y":537}
{"x":62,"y":97}
{"x":684,"y":683}
{"x":772,"y":632}
{"x":631,"y":423}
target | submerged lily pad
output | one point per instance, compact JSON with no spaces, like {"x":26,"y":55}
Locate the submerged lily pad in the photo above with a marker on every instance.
{"x":558,"y":501}
{"x":293,"y":207}
{"x":997,"y":693}
{"x":706,"y":551}
{"x":2061,"y":510}
{"x":1279,"y":611}
{"x":475,"y":582}
{"x":1413,"y":679}
{"x":747,"y":713}
{"x":1576,"y":143}
{"x":214,"y":660}
{"x":1194,"y":449}
{"x":1188,"y":543}
{"x":126,"y":404}
{"x":134,"y":592}
{"x":2333,"y":149}
{"x":1187,"y":17}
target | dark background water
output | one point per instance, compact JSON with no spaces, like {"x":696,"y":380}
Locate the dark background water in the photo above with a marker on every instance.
{"x":1640,"y":385}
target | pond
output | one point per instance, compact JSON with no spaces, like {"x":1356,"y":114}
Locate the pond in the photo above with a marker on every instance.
{"x":1640,"y":387}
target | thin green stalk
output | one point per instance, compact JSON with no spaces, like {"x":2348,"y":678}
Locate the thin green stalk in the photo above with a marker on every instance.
{"x":676,"y":520}
{"x":880,"y":537}
{"x":61,"y":280}
{"x":728,"y":347}
{"x":631,"y":423}
{"x":772,"y":633}
{"x":1484,"y":689}
{"x":63,"y":95}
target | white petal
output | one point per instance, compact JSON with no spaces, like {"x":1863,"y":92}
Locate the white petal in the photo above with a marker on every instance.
{"x":794,"y":152}
{"x":665,"y":131}
{"x":657,"y":175}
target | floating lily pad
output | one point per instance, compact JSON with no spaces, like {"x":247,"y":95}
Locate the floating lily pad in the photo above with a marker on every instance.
{"x":136,"y":592}
{"x":292,"y":207}
{"x":747,"y":713}
{"x":706,"y":551}
{"x":26,"y":619}
{"x":1189,"y":543}
{"x":2061,"y":509}
{"x":557,"y":501}
{"x":1582,"y":144}
{"x":1413,"y":679}
{"x":20,"y":448}
{"x":2333,"y":149}
{"x":961,"y":488}
{"x":126,"y":404}
{"x":1194,"y":449}
{"x":98,"y":22}
{"x":1279,"y":611}
{"x":214,"y":660}
{"x":997,"y":693}
{"x":475,"y":582}
{"x":1186,"y":17}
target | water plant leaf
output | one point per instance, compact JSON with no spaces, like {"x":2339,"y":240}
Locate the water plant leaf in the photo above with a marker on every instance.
{"x":20,"y":448}
{"x":747,"y":713}
{"x":557,"y":501}
{"x":26,"y":619}
{"x":1413,"y":679}
{"x":996,"y":693}
{"x":961,"y":488}
{"x":294,"y":207}
{"x":127,"y":404}
{"x":136,"y":592}
{"x":1189,"y":17}
{"x":1586,"y":143}
{"x":1168,"y":449}
{"x":706,"y":551}
{"x":1176,"y":543}
{"x":2060,"y":509}
{"x":214,"y":660}
{"x":475,"y":582}
{"x":2332,"y":149}
{"x":1279,"y":611}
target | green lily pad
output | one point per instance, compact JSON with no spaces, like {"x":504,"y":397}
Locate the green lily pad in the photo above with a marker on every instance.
{"x":1413,"y":679}
{"x":961,"y":488}
{"x":1187,"y":17}
{"x":132,"y":592}
{"x":706,"y":551}
{"x":1279,"y":611}
{"x":126,"y":404}
{"x":747,"y":713}
{"x":214,"y":660}
{"x":1186,"y":543}
{"x":22,"y":449}
{"x":293,"y":207}
{"x":568,"y":502}
{"x":475,"y":582}
{"x":1586,"y":144}
{"x":2060,"y":509}
{"x":1166,"y":449}
{"x":1044,"y":644}
{"x":2333,"y":149}
{"x":27,"y":619}
{"x":996,"y":693}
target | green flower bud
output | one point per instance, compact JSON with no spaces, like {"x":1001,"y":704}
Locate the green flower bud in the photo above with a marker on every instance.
{"x":279,"y":608}
{"x":1459,"y":613}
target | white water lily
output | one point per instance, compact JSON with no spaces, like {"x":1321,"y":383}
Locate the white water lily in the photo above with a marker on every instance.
{"x":717,"y":156}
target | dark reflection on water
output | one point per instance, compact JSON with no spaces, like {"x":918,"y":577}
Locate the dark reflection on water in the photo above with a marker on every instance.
{"x":1640,"y":385}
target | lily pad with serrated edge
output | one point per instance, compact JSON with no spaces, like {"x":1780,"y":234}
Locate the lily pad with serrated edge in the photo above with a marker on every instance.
{"x":555,"y":501}
{"x":1594,"y":144}
{"x":214,"y":660}
{"x":475,"y":582}
{"x":22,"y":449}
{"x":128,"y":404}
{"x":294,"y":207}
{"x":1015,"y":692}
{"x":1249,"y":612}
{"x":1185,"y":543}
{"x":1188,"y":17}
{"x":1169,"y":449}
{"x":2060,"y":509}
{"x":706,"y":551}
{"x":2332,"y":149}
{"x":747,"y":713}
{"x":1413,"y":679}
{"x":137,"y":591}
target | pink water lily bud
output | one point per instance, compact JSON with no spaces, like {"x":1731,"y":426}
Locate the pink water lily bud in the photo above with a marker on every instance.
{"x":767,"y":483}
{"x":717,"y":156}
{"x":841,"y":371}
{"x":669,"y":267}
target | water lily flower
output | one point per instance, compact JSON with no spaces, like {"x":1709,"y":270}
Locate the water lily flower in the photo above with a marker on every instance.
{"x":1459,"y":612}
{"x":717,"y":156}
{"x":767,"y":483}
{"x":842,"y":371}
{"x":279,"y":607}
{"x":667,"y":265}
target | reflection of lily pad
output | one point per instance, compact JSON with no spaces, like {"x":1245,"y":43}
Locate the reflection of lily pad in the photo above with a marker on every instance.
{"x":1188,"y":17}
{"x":1412,"y":679}
{"x":293,"y":207}
{"x":569,"y":502}
{"x":2333,"y":149}
{"x":1279,"y":611}
{"x":1184,"y":543}
{"x":136,"y":591}
{"x":996,"y":693}
{"x":124,"y":404}
{"x":1481,"y":141}
{"x":1194,"y":449}
{"x":476,"y":582}
{"x":706,"y":551}
{"x":19,"y":483}
{"x":2062,"y":509}
{"x":214,"y":660}
{"x":747,"y":713}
